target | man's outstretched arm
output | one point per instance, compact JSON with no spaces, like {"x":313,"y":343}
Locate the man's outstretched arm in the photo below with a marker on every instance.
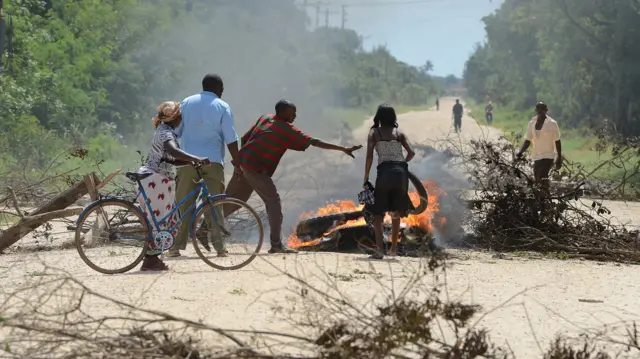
{"x":330,"y":146}
{"x":301,"y":141}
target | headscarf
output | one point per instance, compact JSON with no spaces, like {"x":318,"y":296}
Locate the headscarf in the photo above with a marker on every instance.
{"x":167,"y":111}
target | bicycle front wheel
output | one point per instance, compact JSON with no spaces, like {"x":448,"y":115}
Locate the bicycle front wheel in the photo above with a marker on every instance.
{"x":112,"y":236}
{"x":233,"y":239}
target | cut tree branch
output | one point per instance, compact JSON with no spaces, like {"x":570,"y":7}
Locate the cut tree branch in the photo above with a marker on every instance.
{"x":15,"y":202}
{"x":50,"y":210}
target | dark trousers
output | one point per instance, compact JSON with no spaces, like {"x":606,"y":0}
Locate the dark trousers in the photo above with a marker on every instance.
{"x":489,"y":117}
{"x":214,"y":179}
{"x":457,"y":123}
{"x":241,"y":187}
{"x":542,"y":168}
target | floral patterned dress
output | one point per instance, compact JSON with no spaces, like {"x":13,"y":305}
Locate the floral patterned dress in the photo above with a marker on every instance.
{"x":160,"y":186}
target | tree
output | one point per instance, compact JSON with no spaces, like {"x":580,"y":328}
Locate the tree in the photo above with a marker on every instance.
{"x":78,"y":67}
{"x":427,"y":67}
{"x":585,"y":66}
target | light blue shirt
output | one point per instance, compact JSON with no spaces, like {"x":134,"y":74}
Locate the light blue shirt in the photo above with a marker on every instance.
{"x":207,"y":126}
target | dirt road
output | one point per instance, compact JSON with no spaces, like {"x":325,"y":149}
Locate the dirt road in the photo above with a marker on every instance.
{"x":434,"y":126}
{"x":528,"y":300}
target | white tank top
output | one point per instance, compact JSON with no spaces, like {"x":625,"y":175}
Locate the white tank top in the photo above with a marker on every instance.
{"x":389,"y":150}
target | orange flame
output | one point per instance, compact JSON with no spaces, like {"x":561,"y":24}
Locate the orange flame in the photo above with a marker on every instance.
{"x":422,"y":220}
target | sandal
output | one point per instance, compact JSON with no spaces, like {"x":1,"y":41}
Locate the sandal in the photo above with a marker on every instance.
{"x":153,"y":263}
{"x":377,"y":255}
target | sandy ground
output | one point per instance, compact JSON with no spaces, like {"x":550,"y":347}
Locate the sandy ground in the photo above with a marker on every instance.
{"x":528,"y":300}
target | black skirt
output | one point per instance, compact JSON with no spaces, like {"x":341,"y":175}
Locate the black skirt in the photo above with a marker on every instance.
{"x":392,"y":190}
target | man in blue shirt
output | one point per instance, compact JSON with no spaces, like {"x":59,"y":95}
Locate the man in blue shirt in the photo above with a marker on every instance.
{"x":207,"y":127}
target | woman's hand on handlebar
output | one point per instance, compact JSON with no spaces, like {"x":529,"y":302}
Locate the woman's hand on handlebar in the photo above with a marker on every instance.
{"x":201,"y":161}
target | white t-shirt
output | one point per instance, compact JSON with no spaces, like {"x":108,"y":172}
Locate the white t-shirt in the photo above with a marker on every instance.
{"x":544,"y":140}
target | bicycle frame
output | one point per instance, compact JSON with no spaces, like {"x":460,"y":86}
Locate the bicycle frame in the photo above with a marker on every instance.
{"x":201,"y":189}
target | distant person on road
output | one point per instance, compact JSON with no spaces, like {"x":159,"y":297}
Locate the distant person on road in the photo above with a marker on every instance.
{"x":457,"y":116}
{"x":163,"y":156}
{"x":262,"y":148}
{"x":391,"y":192}
{"x":488,"y":112}
{"x":437,"y":103}
{"x":544,"y":132}
{"x":207,"y":127}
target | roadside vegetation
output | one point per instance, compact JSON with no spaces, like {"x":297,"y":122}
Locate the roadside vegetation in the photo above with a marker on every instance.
{"x":89,"y":74}
{"x":578,"y":144}
{"x":586,"y":69}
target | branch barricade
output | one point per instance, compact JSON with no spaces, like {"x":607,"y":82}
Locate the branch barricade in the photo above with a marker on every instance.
{"x":58,"y":207}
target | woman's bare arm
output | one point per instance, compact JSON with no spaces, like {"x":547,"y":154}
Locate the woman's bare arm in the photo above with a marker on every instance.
{"x":407,"y":146}
{"x":182,"y":157}
{"x":371,"y":144}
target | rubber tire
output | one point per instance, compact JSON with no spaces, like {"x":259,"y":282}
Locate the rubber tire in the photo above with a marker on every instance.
{"x":196,"y":243}
{"x":422,"y":192}
{"x":345,"y":240}
{"x":83,"y":217}
{"x":317,"y":226}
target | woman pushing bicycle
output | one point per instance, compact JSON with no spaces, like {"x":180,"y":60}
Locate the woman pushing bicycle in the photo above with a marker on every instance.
{"x":163,"y":156}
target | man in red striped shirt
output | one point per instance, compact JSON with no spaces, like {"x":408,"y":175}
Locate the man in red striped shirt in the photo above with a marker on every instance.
{"x":262,"y":148}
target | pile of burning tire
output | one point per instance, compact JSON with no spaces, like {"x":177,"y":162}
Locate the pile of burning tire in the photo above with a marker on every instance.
{"x":349,"y":232}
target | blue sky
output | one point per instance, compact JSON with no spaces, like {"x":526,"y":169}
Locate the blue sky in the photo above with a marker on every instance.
{"x":443,"y":31}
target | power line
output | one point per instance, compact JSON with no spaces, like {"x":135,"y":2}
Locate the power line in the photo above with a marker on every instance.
{"x":383,"y":3}
{"x":345,"y":5}
{"x":316,"y":5}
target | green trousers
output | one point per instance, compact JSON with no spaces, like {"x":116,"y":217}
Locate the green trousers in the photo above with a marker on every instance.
{"x":186,"y":182}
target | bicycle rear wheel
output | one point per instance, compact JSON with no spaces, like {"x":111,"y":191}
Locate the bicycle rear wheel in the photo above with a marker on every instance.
{"x":112,"y":230}
{"x":241,"y":243}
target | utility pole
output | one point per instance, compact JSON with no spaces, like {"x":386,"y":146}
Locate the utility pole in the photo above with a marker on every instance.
{"x":327,"y":13}
{"x":326,"y":17}
{"x":344,"y":15}
{"x":305,"y":5}
{"x":316,"y":5}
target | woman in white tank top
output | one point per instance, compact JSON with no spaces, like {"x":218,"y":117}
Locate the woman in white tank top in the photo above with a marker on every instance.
{"x":392,"y":180}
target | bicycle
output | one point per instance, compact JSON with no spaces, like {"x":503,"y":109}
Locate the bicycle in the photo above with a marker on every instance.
{"x":138,"y":226}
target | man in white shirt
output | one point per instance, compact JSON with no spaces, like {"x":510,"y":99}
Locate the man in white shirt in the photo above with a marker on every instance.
{"x":544,"y":132}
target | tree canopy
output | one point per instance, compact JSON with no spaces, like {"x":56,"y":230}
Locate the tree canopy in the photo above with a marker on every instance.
{"x":91,"y":72}
{"x":579,"y":56}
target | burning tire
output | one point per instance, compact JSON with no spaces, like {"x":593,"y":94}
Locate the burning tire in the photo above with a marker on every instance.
{"x":422,"y":192}
{"x":361,"y":239}
{"x":316,"y":227}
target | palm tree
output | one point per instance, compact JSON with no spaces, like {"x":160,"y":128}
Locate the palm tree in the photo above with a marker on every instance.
{"x":427,"y":67}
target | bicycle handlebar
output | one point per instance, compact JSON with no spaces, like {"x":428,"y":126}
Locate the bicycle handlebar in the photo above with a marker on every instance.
{"x":198,"y":167}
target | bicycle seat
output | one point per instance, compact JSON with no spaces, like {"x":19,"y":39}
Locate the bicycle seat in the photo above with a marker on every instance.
{"x":136,"y":176}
